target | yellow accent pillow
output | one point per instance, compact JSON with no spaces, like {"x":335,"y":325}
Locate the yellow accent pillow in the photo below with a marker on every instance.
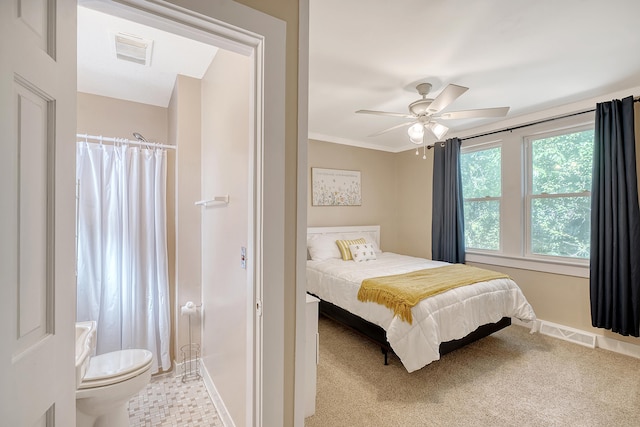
{"x":343,"y":245}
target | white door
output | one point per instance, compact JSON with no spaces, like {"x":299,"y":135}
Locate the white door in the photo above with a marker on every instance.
{"x":37,"y":212}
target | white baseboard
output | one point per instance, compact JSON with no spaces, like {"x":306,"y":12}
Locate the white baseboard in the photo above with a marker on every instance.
{"x":621,"y":347}
{"x":227,"y":421}
{"x":602,"y":342}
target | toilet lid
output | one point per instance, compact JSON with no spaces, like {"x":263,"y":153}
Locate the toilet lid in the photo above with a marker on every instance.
{"x":114,"y":367}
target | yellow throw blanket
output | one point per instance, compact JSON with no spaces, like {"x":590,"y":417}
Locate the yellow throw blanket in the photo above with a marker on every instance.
{"x":401,"y":292}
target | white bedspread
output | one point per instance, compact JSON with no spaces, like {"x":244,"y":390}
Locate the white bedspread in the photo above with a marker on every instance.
{"x":444,"y":317}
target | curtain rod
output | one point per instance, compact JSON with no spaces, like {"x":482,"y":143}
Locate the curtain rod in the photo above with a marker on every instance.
{"x":529,"y":124}
{"x":102,"y":139}
{"x":510,"y":129}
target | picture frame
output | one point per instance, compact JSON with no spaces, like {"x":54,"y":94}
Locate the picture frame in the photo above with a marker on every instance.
{"x":335,"y":187}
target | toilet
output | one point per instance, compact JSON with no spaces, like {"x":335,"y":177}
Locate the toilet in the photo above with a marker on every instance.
{"x":109,"y":382}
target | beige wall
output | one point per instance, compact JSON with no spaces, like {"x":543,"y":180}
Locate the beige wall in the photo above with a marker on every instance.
{"x":100,"y":115}
{"x":378,"y":180}
{"x":225,"y":171}
{"x":396,"y":189}
{"x":184,"y":133}
{"x":414,"y":200}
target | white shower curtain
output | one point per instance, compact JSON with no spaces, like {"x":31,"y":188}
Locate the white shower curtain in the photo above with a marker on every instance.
{"x":122,"y":248}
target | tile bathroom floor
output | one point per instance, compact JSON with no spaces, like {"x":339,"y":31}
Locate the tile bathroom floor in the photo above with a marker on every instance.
{"x":167,"y":401}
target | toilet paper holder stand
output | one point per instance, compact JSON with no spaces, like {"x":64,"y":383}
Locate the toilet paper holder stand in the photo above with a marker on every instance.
{"x":191,"y":351}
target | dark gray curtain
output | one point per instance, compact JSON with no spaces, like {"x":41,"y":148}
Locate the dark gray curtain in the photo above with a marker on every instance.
{"x":447,"y":226}
{"x":615,"y":221}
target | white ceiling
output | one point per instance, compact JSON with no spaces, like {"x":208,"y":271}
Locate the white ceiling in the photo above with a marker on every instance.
{"x":100,"y":73}
{"x":529,"y":55}
{"x":525,"y":54}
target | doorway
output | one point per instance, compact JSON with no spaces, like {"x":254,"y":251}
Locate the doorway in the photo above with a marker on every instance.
{"x":262,"y":179}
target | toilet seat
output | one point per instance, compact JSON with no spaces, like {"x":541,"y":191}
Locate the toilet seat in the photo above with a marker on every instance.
{"x":115,"y":367}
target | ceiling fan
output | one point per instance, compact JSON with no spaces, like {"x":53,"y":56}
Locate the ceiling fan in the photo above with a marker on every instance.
{"x":426,"y":114}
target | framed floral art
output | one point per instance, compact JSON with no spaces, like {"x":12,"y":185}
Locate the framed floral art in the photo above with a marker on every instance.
{"x":335,"y":187}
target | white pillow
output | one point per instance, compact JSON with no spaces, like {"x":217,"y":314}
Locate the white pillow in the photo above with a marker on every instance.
{"x":360,"y":252}
{"x":322,"y":247}
{"x":373,"y":243}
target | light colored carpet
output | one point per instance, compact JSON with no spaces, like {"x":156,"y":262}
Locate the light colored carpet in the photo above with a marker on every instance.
{"x":511,"y":378}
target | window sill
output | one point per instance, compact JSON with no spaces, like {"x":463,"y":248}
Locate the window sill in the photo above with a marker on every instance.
{"x":564,"y":268}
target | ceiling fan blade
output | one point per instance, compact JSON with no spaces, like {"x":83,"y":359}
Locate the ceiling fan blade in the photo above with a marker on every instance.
{"x":385,"y":113}
{"x":392,"y":128}
{"x":472,"y":114}
{"x":446,"y":97}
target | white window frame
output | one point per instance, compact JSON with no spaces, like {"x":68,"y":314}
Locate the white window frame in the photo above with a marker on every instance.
{"x":513,"y":216}
{"x":481,"y":147}
{"x":528,"y":196}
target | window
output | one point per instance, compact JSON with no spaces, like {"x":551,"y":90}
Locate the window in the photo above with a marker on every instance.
{"x":558,"y":197}
{"x":482,"y":190}
{"x":527,"y":201}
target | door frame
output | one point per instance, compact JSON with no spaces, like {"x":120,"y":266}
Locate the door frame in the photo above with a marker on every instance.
{"x":238,"y":28}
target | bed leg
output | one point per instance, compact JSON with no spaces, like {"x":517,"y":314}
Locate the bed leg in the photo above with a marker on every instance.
{"x":385,"y":352}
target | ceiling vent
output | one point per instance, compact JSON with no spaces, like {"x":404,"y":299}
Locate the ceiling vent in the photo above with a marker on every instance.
{"x":133,"y":49}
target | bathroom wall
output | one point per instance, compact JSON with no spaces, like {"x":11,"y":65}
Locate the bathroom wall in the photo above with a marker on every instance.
{"x":225,"y":285}
{"x":100,"y":115}
{"x":184,"y":132}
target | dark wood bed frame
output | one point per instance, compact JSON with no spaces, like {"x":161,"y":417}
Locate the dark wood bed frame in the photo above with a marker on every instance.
{"x":379,"y":336}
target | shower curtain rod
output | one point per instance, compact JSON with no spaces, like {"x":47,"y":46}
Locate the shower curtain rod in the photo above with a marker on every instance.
{"x":102,"y":139}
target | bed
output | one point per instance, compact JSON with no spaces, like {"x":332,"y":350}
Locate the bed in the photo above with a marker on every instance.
{"x":440,"y":323}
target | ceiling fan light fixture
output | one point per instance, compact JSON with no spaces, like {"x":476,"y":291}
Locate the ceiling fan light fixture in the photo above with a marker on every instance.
{"x":416,"y":133}
{"x":424,"y":113}
{"x":438,"y":130}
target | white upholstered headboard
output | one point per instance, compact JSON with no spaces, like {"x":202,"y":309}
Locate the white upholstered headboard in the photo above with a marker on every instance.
{"x":373,"y":230}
